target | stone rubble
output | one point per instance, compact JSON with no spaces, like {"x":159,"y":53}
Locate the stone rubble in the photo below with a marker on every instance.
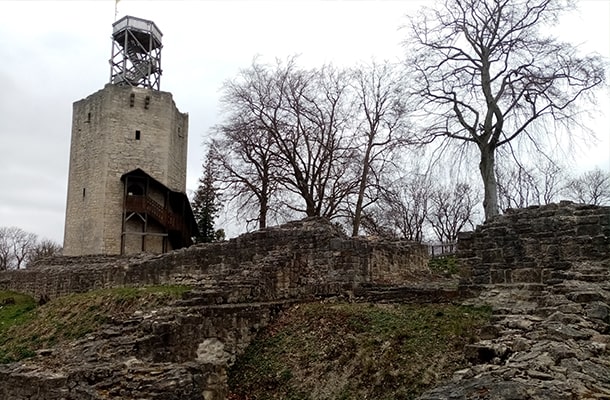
{"x":544,"y":343}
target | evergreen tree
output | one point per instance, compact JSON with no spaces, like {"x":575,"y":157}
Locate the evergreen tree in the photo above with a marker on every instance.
{"x":206,"y":205}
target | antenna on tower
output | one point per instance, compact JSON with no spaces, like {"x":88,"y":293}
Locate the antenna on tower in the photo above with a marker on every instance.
{"x":136,"y":53}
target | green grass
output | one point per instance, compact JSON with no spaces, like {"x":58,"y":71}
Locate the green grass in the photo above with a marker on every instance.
{"x":26,"y":327}
{"x":445,"y":264}
{"x":355,"y":351}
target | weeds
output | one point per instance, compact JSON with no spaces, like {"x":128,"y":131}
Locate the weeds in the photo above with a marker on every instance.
{"x":349,"y":351}
{"x":445,"y":264}
{"x":26,"y":328}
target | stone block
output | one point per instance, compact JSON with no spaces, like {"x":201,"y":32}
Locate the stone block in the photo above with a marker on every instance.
{"x":527,"y":275}
{"x":491,"y":255}
{"x":588,"y":230}
{"x":498,"y":276}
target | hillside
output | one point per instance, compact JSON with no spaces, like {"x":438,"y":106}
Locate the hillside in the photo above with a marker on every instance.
{"x":317,"y":350}
{"x":356,"y":351}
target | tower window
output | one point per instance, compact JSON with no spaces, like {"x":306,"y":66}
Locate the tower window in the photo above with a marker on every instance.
{"x":132,"y":98}
{"x":137,"y":135}
{"x":83,"y":193}
{"x":88,"y":117}
{"x":146,"y":102}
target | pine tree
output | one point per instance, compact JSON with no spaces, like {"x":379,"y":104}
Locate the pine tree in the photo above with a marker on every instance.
{"x":206,"y":205}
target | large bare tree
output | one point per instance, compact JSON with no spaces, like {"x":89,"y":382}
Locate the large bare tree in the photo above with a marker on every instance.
{"x":488,"y":76}
{"x":296,"y":120}
{"x":381,"y":102}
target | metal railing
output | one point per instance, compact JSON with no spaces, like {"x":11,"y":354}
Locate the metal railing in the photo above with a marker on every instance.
{"x":442,"y":249}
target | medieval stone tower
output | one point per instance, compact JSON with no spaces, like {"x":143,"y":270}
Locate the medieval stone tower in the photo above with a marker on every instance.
{"x":127,"y":177}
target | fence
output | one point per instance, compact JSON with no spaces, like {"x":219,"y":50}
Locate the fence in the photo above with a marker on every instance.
{"x":442,"y":249}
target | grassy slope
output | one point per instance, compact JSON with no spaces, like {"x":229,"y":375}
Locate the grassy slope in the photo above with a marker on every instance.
{"x":355,"y":351}
{"x":26,"y":327}
{"x":312,"y":351}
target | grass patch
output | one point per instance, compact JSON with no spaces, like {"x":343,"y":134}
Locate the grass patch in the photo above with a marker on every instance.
{"x":445,"y":264}
{"x":355,"y":351}
{"x":26,"y":328}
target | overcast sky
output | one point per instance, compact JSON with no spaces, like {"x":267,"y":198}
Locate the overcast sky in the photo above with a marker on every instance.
{"x":54,"y":53}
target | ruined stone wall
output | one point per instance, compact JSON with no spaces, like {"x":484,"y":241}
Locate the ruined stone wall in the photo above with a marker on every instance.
{"x":299,"y":259}
{"x":174,"y":353}
{"x":535,"y":244}
{"x":182,"y":351}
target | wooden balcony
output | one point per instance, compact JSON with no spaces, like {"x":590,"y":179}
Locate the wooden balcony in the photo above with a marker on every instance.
{"x":171,"y":221}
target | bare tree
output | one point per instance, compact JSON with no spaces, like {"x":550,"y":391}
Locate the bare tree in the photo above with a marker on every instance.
{"x":45,"y":248}
{"x":303,"y":116}
{"x":249,"y":168}
{"x":381,"y":108}
{"x":6,"y":254}
{"x":521,"y":185}
{"x":317,"y":149}
{"x":451,"y":209}
{"x":592,"y":187}
{"x":402,"y":210}
{"x":16,"y":246}
{"x":487,"y":77}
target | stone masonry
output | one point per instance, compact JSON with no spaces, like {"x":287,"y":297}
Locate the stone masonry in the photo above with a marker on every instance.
{"x":114,"y":131}
{"x":545,"y":271}
{"x":535,"y":244}
{"x":296,"y":260}
{"x":182,"y":352}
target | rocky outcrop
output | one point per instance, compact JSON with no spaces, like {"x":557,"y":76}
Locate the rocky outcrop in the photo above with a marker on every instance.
{"x":179,"y":352}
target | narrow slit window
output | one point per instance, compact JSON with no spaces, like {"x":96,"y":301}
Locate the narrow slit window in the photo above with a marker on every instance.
{"x":84,"y":192}
{"x":137,"y":135}
{"x":88,"y":117}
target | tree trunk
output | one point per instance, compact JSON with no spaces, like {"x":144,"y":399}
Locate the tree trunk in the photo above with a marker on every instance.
{"x":262,"y":217}
{"x":487,"y":168}
{"x":363,"y":181}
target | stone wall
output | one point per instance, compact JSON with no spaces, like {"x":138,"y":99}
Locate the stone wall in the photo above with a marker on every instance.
{"x":182,"y":351}
{"x":544,"y":270}
{"x":299,"y":259}
{"x":179,"y":352}
{"x":534,"y":245}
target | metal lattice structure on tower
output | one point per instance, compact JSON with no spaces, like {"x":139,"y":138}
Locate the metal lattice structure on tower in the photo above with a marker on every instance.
{"x":136,"y":53}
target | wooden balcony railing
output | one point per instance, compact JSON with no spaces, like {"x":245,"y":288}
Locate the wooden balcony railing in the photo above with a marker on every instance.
{"x":168,"y":219}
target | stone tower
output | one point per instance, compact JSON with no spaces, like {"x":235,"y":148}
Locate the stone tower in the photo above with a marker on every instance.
{"x":127,"y":177}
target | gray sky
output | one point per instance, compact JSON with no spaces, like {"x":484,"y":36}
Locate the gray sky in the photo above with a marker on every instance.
{"x":53,"y":53}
